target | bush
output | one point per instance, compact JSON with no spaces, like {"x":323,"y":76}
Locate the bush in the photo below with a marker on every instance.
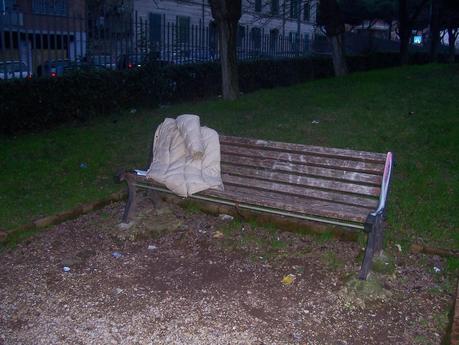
{"x":41,"y":103}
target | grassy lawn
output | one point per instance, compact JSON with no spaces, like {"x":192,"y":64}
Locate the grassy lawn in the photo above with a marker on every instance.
{"x":412,"y":111}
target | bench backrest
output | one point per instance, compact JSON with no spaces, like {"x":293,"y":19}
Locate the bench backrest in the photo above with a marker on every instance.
{"x":325,"y":182}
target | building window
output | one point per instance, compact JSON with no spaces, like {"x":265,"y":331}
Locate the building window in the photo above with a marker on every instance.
{"x":183,"y":29}
{"x":257,"y":5}
{"x":7,"y":5}
{"x":273,"y":38}
{"x":255,"y":34}
{"x":306,"y":43}
{"x":294,"y":9}
{"x":274,"y":7}
{"x":155,"y":29}
{"x":51,"y":7}
{"x":294,"y":40}
{"x":307,"y":12}
{"x":240,"y":35}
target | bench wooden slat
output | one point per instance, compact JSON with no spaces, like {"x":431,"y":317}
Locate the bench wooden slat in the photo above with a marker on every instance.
{"x":341,"y":164}
{"x":351,"y":176}
{"x":303,"y":180}
{"x":287,"y":189}
{"x":305,"y":149}
{"x":298,"y":205}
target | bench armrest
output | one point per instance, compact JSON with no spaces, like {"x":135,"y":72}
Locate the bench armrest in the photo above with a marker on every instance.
{"x":384,"y":185}
{"x":121,"y":174}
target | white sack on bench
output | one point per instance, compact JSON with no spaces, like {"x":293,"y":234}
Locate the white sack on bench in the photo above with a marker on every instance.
{"x":186,"y":156}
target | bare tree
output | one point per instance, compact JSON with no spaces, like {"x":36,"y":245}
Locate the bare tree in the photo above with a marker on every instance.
{"x":226,"y":14}
{"x":450,"y":16}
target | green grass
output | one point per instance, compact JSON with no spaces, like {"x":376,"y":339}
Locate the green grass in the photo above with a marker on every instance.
{"x":412,"y":111}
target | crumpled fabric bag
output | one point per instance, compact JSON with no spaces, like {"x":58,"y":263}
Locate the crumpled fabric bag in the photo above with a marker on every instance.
{"x":186,"y":156}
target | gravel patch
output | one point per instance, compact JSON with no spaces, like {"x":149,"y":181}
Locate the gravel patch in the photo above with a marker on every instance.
{"x":210,"y":280}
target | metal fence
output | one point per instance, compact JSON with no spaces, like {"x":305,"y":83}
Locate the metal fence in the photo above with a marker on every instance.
{"x":34,"y":45}
{"x":51,"y":46}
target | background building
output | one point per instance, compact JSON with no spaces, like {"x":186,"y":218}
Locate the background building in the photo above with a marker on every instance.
{"x":35,"y":31}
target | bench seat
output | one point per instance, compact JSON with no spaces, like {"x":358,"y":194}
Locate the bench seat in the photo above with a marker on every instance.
{"x":342,"y":187}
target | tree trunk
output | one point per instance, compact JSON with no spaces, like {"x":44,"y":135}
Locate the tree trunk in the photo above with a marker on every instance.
{"x":451,"y":45}
{"x":404,"y":31}
{"x":331,"y":16}
{"x":227,"y":14}
{"x":435,"y":31}
{"x":404,"y":47}
{"x":338,"y":54}
{"x":230,"y":79}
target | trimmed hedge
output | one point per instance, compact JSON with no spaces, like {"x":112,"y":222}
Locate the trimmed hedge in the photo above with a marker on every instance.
{"x":41,"y":103}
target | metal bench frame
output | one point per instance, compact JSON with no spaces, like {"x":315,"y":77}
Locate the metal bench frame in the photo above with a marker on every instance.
{"x":373,"y":225}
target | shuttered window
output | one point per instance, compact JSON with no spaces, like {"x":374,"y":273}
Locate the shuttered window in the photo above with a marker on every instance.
{"x":183,"y":29}
{"x":294,"y":9}
{"x":155,"y":29}
{"x":50,"y":7}
{"x":307,"y":12}
{"x":257,"y":5}
{"x":274,"y":7}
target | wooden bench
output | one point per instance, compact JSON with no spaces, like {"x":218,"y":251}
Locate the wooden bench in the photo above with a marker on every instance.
{"x":340,"y":187}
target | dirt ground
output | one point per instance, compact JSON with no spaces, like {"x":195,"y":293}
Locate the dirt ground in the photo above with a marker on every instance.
{"x":205,"y":280}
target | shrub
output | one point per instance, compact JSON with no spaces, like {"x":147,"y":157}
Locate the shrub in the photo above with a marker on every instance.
{"x":41,"y":103}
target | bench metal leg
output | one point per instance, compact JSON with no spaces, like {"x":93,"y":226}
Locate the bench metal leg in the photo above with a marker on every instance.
{"x":368,"y":257}
{"x":374,"y":227}
{"x":129,"y":210}
{"x":379,"y":229}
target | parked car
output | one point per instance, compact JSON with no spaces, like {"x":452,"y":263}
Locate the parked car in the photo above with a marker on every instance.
{"x":14,"y":70}
{"x":108,"y":61}
{"x":136,"y":60}
{"x":53,"y":68}
{"x":131,"y":61}
{"x":83,"y":67}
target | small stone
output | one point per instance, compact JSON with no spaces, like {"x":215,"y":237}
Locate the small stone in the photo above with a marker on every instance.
{"x":152,"y":247}
{"x":225,"y":217}
{"x":66,"y":269}
{"x":117,"y":255}
{"x":118,"y":291}
{"x":218,"y":234}
{"x":125,"y":226}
